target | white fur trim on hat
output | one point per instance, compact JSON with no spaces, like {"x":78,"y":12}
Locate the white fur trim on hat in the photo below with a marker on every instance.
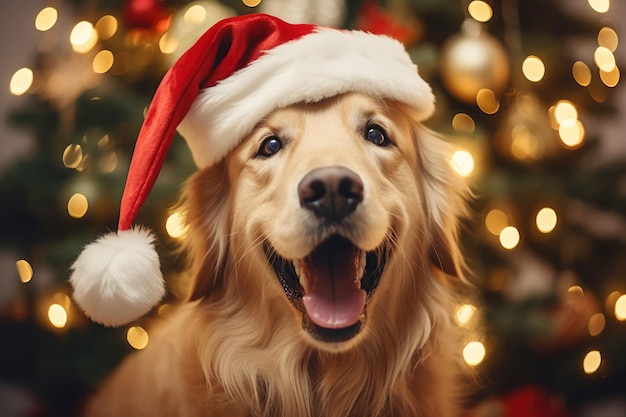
{"x":317,"y":66}
{"x":117,"y":278}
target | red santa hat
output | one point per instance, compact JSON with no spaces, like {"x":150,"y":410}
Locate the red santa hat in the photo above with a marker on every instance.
{"x":240,"y":70}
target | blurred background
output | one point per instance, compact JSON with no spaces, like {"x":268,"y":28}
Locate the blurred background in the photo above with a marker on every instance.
{"x":529,"y":91}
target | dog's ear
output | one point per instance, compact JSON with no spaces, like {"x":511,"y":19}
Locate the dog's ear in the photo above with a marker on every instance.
{"x":205,"y":200}
{"x":445,"y":195}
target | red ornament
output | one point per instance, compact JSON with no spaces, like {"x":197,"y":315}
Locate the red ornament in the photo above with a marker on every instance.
{"x":379,"y":21}
{"x":146,"y":14}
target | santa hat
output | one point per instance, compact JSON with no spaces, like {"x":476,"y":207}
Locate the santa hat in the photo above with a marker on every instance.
{"x":240,"y":70}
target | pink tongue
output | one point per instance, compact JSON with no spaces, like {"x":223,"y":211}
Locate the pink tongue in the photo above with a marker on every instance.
{"x":335,"y":299}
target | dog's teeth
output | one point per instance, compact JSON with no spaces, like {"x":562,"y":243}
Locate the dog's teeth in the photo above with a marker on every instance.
{"x":362,"y":262}
{"x":297,"y":265}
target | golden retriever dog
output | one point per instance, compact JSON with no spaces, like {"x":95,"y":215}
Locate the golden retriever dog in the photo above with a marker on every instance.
{"x":323,"y":261}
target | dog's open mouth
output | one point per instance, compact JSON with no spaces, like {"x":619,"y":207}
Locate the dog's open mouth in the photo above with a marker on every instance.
{"x":331,"y":286}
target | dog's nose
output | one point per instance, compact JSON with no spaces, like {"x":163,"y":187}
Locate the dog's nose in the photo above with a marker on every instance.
{"x":331,"y":192}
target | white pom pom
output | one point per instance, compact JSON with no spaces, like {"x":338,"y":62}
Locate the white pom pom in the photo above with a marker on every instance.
{"x":117,"y":278}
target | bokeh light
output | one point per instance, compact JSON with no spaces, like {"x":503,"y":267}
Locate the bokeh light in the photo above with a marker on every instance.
{"x":495,"y":221}
{"x":463,"y":123}
{"x":546,"y":220}
{"x":21,"y":81}
{"x":77,"y":205}
{"x":533,"y":68}
{"x":83,"y":37}
{"x":24,"y":270}
{"x":103,"y":61}
{"x":474,"y":353}
{"x":487,"y":101}
{"x":137,"y":337}
{"x":600,"y":6}
{"x":620,"y":308}
{"x":607,"y":37}
{"x":465,"y":313}
{"x":596,"y":324}
{"x":46,"y":19}
{"x":176,"y":226}
{"x":480,"y":11}
{"x":463,"y":162}
{"x":592,"y":362}
{"x":581,"y":73}
{"x":251,"y":3}
{"x":604,"y":59}
{"x":57,"y":316}
{"x":509,"y":237}
{"x":106,"y":27}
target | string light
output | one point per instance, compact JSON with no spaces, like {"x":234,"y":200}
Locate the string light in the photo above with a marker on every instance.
{"x":487,"y":101}
{"x":461,"y":122}
{"x":21,"y":81}
{"x":57,"y":315}
{"x":600,"y":6}
{"x":194,"y":15}
{"x":509,"y":237}
{"x":474,"y":353}
{"x":103,"y":61}
{"x":495,"y":221}
{"x":546,"y":220}
{"x":480,"y":11}
{"x":604,"y":59}
{"x":596,"y":324}
{"x":137,"y":337}
{"x":611,"y":78}
{"x":581,"y":73}
{"x":176,"y":226}
{"x":565,"y":113}
{"x":46,"y":19}
{"x":465,"y":313}
{"x":620,"y":308}
{"x":592,"y":362}
{"x":77,"y":205}
{"x":72,"y":155}
{"x":463,"y":162}
{"x":168,"y":43}
{"x":607,"y":37}
{"x":533,"y":68}
{"x":572,"y":136}
{"x":106,"y":27}
{"x":83,"y":37}
{"x":251,"y":3}
{"x":24,"y":270}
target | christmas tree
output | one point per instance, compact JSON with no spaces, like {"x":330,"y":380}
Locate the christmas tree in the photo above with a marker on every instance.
{"x":525,"y":90}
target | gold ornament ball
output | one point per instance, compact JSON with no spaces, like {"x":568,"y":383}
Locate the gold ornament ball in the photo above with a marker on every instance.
{"x":470,"y":63}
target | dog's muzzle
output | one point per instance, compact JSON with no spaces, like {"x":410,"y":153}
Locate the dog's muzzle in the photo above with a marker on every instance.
{"x":333,"y":284}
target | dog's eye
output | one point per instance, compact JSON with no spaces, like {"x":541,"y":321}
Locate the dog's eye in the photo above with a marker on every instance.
{"x":270,"y":146}
{"x":376,"y":135}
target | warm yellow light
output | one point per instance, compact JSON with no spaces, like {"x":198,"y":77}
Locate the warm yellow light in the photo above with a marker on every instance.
{"x":21,"y":81}
{"x":581,"y":73}
{"x":546,"y":220}
{"x":604,"y":58}
{"x":533,"y":68}
{"x":610,"y":79}
{"x":461,"y":122}
{"x":103,"y":61}
{"x":496,"y":220}
{"x":176,"y":226}
{"x":137,"y":337}
{"x":46,"y":19}
{"x":168,"y":43}
{"x":565,"y":113}
{"x":194,"y":15}
{"x":592,"y":362}
{"x":474,"y":353}
{"x":463,"y":162}
{"x":524,"y":144}
{"x":600,"y":6}
{"x":607,"y":37}
{"x":572,"y":136}
{"x":251,"y":3}
{"x":24,"y":270}
{"x":596,"y":324}
{"x":480,"y":10}
{"x":575,"y":290}
{"x":77,"y":206}
{"x":509,"y":237}
{"x":465,"y":313}
{"x":83,"y":37}
{"x":107,"y":162}
{"x":609,"y":303}
{"x":106,"y":27}
{"x":620,"y":308}
{"x":487,"y":101}
{"x":57,"y":316}
{"x":72,"y":155}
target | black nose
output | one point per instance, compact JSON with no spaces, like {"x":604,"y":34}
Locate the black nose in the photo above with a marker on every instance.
{"x":331,"y":192}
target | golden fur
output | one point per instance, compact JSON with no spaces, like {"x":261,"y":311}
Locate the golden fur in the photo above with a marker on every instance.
{"x":237,"y":346}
